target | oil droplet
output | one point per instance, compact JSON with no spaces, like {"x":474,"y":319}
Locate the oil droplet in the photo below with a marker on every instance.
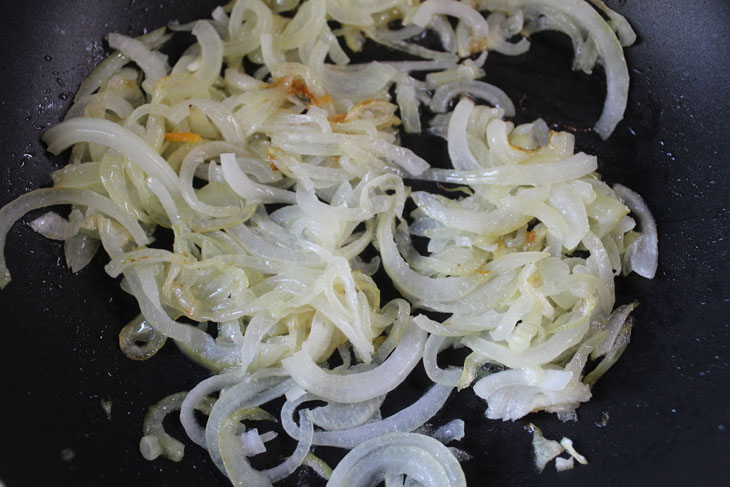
{"x":47,"y":58}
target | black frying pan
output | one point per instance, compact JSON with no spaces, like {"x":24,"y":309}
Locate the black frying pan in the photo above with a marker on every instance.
{"x":667,"y":400}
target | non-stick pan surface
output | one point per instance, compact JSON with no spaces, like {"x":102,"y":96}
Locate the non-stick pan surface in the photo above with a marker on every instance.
{"x":662,"y":414}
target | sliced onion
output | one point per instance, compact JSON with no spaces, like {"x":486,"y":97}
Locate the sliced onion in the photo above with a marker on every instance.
{"x":410,"y":282}
{"x":643,"y":256}
{"x":406,"y":96}
{"x":53,"y":226}
{"x":110,"y":134}
{"x":143,"y":286}
{"x":614,"y":324}
{"x":288,"y":466}
{"x":139,"y":331}
{"x":251,"y":191}
{"x":459,"y":152}
{"x":358,"y":387}
{"x":156,"y":441}
{"x":39,"y":198}
{"x":479,"y":89}
{"x":434,"y":345}
{"x":609,"y":51}
{"x":187,"y":417}
{"x":462,"y":11}
{"x":211,"y":48}
{"x":116,"y":61}
{"x":554,"y":380}
{"x":538,"y":355}
{"x":287,"y":286}
{"x":370,"y":462}
{"x":79,"y":250}
{"x":545,"y":450}
{"x":339,"y":416}
{"x":625,"y":33}
{"x":153,"y":63}
{"x":451,"y":431}
{"x":533,"y":174}
{"x":245,"y":394}
{"x":405,"y":420}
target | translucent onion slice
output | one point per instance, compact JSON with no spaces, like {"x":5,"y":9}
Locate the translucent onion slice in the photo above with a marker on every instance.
{"x":462,"y":11}
{"x":70,"y":132}
{"x":479,"y":89}
{"x":156,"y":441}
{"x":53,"y":226}
{"x":250,"y":190}
{"x":211,"y":51}
{"x":554,"y":380}
{"x":451,"y":431}
{"x":338,"y":416}
{"x":142,"y":284}
{"x":405,"y":420}
{"x":544,"y":449}
{"x":194,"y":397}
{"x":396,"y":453}
{"x":116,"y":61}
{"x":625,"y":33}
{"x":609,"y":51}
{"x":288,"y":466}
{"x":613,"y":325}
{"x":434,"y":345}
{"x":153,"y":63}
{"x":139,"y":341}
{"x":541,"y":354}
{"x":79,"y":251}
{"x":458,"y":147}
{"x":287,"y":287}
{"x":247,"y":393}
{"x":40,"y":198}
{"x":412,"y":283}
{"x":358,"y":387}
{"x":643,"y":255}
{"x":531,"y":174}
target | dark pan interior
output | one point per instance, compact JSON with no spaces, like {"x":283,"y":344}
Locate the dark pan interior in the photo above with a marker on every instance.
{"x":666,"y":400}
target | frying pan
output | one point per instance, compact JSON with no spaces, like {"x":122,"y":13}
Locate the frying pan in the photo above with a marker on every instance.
{"x":662,"y":414}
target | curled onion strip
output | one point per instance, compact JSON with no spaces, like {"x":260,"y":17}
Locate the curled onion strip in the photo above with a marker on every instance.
{"x":373,"y":460}
{"x":405,"y":420}
{"x":40,"y":198}
{"x":358,"y":387}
